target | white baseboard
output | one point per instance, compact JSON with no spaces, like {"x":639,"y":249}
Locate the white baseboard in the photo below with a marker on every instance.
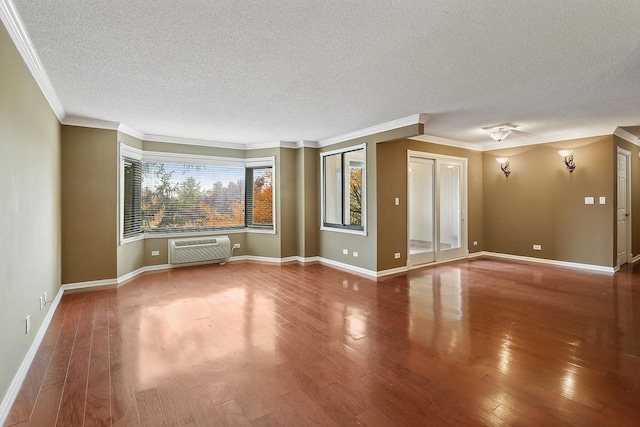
{"x":348,"y":267}
{"x":590,"y":267}
{"x":635,"y":259}
{"x":14,"y":388}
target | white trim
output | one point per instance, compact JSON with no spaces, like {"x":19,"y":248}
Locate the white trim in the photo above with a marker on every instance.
{"x":18,"y":33}
{"x":396,"y":270}
{"x":89,"y":284}
{"x":87,"y":122}
{"x":590,"y":267}
{"x":448,"y":142}
{"x":628,"y":222}
{"x":627,"y":136}
{"x":189,"y":141}
{"x":607,"y":130}
{"x":383,"y":127}
{"x":306,"y":144}
{"x":635,"y":259}
{"x":130,"y":131}
{"x":349,"y":267}
{"x":14,"y":388}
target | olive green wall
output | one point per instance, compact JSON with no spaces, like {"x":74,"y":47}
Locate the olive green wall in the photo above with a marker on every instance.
{"x":29,"y":212}
{"x":392,"y":183}
{"x":289,"y":183}
{"x":635,"y":192}
{"x":331,"y":243}
{"x":89,"y":204}
{"x":542,"y":203}
{"x":131,"y":255}
{"x":308,"y":207}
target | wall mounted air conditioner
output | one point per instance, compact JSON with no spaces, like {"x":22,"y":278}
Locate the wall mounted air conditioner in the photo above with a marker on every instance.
{"x":199,"y":249}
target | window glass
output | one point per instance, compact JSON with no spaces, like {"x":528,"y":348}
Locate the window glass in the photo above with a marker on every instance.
{"x":343,"y":186}
{"x":199,"y":193}
{"x":260,"y":200}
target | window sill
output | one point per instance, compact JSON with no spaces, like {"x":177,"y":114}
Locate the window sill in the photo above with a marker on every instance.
{"x":195,"y":233}
{"x":344,"y":230}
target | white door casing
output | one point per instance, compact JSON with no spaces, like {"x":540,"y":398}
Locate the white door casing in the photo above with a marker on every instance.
{"x":623,"y":210}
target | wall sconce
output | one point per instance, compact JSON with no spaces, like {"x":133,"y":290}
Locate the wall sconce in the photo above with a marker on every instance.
{"x":568,"y":159}
{"x":504,"y":165}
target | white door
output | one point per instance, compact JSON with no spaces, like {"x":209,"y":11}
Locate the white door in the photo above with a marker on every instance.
{"x":622,"y":209}
{"x":450,"y":213}
{"x":421,"y":227}
{"x":436,"y":216}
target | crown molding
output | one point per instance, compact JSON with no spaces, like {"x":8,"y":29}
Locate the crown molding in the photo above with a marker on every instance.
{"x":87,"y":122}
{"x":590,"y":133}
{"x":627,"y":136}
{"x":130,"y":131}
{"x":448,"y":142}
{"x":395,"y":124}
{"x":18,"y":33}
{"x":189,"y":141}
{"x":306,"y":144}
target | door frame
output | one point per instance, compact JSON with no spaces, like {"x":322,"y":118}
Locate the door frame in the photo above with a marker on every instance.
{"x":463,"y":208}
{"x":628,"y":221}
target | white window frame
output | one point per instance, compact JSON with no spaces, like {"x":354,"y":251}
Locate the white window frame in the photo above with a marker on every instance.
{"x":362,"y":232}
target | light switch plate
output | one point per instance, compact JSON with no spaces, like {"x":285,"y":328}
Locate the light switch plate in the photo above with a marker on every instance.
{"x":603,"y":200}
{"x":588,"y":201}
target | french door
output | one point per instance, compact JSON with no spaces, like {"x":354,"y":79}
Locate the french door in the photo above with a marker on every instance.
{"x":436,"y":208}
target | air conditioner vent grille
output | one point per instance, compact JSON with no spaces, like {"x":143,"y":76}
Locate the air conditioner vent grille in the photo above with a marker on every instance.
{"x":181,"y":243}
{"x":190,"y":250}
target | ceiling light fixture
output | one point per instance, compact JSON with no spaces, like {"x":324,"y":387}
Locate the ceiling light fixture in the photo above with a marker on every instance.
{"x":500,"y":132}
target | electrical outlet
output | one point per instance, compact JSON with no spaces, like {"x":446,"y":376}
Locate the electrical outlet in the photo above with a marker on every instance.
{"x":236,"y":246}
{"x":155,"y":253}
{"x":475,"y":243}
{"x":345,"y":252}
{"x":27,"y":324}
{"x":397,"y":201}
{"x":397,"y":255}
{"x":537,"y":247}
{"x":355,"y":254}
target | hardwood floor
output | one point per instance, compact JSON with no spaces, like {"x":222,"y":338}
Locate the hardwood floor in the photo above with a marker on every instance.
{"x":475,"y":342}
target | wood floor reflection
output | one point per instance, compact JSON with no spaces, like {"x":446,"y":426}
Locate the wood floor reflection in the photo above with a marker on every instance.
{"x":475,"y":342}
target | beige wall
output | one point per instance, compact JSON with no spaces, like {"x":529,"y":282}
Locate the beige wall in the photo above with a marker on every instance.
{"x":331,"y":243}
{"x":89,"y":204}
{"x":392,"y":183}
{"x":542,"y":203}
{"x":30,"y":208}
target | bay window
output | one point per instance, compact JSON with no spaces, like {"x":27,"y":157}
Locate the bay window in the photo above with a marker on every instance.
{"x":173,"y":193}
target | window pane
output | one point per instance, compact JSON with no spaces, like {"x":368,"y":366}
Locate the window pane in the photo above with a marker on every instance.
{"x":131,"y":217}
{"x":449,"y":206}
{"x":353,"y":165}
{"x":186,"y":196}
{"x":262,"y":206}
{"x":333,"y":189}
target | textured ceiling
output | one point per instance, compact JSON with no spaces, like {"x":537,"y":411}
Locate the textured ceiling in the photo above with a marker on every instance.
{"x":263,"y":71}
